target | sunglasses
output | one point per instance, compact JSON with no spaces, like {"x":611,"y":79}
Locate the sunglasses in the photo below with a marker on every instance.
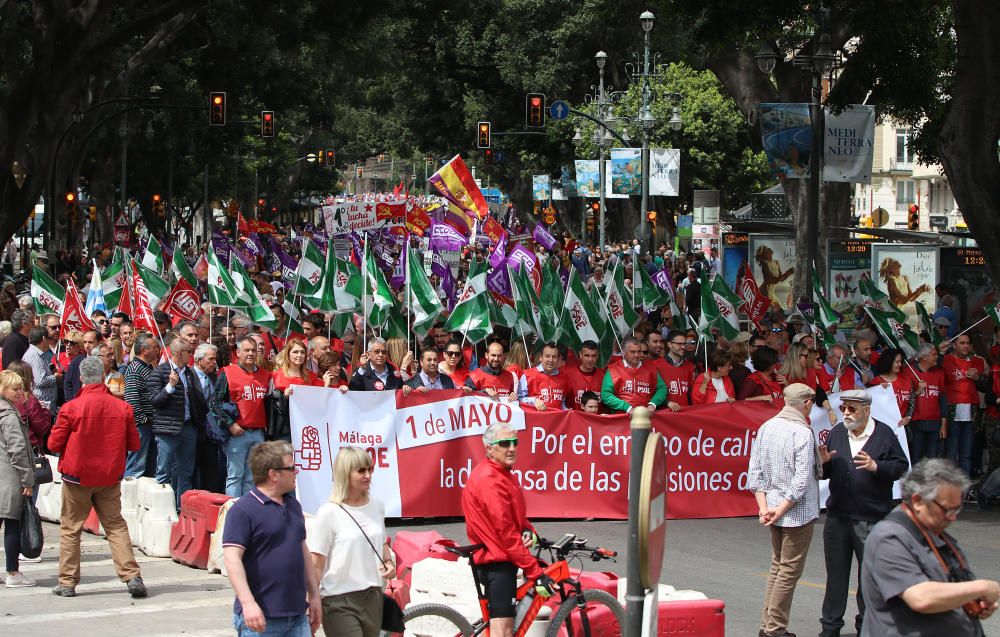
{"x":691,"y":343}
{"x":777,"y":330}
{"x":677,"y":342}
{"x":506,"y":443}
{"x":848,"y":409}
{"x":452,"y":353}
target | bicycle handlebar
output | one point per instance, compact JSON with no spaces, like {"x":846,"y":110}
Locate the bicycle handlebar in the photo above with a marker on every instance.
{"x":569,"y":544}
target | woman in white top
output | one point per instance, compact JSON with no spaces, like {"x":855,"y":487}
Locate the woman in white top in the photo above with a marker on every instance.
{"x":343,"y":545}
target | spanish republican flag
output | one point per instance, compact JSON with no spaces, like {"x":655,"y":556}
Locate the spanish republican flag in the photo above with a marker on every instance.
{"x":454,"y":182}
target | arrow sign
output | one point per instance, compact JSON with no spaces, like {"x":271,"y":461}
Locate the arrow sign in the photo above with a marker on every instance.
{"x":559,"y":109}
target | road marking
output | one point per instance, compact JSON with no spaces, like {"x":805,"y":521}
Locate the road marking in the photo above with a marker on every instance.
{"x":86,"y":566}
{"x":114,"y":584}
{"x":139,"y":608}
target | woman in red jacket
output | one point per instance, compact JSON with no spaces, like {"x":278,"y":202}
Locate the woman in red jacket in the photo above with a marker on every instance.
{"x":291,"y":367}
{"x":38,"y":417}
{"x":714,"y":385}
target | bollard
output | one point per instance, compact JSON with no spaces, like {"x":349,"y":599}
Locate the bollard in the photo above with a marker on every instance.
{"x":634,"y":592}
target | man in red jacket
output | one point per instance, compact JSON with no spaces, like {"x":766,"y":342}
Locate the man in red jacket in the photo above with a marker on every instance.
{"x":963,"y":373}
{"x":92,"y":434}
{"x":496,"y":517}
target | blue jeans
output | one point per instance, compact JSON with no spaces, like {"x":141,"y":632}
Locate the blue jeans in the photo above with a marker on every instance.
{"x":175,"y":456}
{"x":924,"y":439}
{"x":297,"y":626}
{"x":960,"y":434}
{"x":239,"y":479}
{"x":135,"y":464}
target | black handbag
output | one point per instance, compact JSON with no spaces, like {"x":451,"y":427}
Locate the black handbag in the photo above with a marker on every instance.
{"x":43,"y":468}
{"x":31,"y":529}
{"x":392,"y":614}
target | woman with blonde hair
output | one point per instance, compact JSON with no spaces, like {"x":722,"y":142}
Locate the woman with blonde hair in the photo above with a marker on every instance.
{"x":119,"y":351}
{"x":350,"y":549}
{"x":17,"y":473}
{"x":517,"y":359}
{"x":401,"y":357}
{"x":290,"y":370}
{"x":37,"y":417}
{"x":800,"y":367}
{"x":897,"y":284}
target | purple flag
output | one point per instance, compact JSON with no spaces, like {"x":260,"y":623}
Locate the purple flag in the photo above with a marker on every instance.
{"x":252,"y":245}
{"x":499,"y":254}
{"x":498,"y":282}
{"x":662,"y":279}
{"x":220,"y":243}
{"x":443,"y":271}
{"x":398,"y":277}
{"x":358,"y":251}
{"x":564,"y":276}
{"x":543,"y":237}
{"x":444,"y":237}
{"x":519,"y":255}
{"x":280,"y":261}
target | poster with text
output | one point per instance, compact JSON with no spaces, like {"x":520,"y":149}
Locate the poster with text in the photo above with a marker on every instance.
{"x":772,"y":261}
{"x":850,"y":260}
{"x":664,"y":172}
{"x":786,"y":134}
{"x":848,"y":144}
{"x":906,"y":273}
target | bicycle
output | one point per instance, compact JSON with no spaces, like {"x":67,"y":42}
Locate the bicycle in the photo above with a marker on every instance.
{"x":574,"y":613}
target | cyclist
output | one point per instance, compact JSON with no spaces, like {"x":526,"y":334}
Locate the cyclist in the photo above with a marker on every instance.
{"x":495,"y":516}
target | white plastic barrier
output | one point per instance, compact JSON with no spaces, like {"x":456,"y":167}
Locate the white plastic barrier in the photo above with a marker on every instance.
{"x":130,"y":505}
{"x":215,"y":563}
{"x":50,"y":495}
{"x":451,"y":583}
{"x":156,"y":517}
{"x":665,"y":593}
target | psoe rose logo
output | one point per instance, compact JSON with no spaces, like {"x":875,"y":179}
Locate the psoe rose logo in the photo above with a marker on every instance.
{"x":310,"y":452}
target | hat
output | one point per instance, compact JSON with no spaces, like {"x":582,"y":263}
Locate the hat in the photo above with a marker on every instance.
{"x":275,"y":285}
{"x":799,"y":391}
{"x":42,"y":255}
{"x":798,"y":338}
{"x":742,"y":337}
{"x":856,"y":396}
{"x":942,"y":320}
{"x":73,"y":337}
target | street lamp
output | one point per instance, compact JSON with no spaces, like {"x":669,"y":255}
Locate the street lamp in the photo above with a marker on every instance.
{"x":602,"y":104}
{"x":818,"y":63}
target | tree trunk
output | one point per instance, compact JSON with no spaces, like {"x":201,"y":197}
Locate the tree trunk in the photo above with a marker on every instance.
{"x":968,"y":139}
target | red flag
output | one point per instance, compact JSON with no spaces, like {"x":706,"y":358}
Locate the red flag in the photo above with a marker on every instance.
{"x":492,"y":229}
{"x":418,"y":221}
{"x":755,"y":304}
{"x":183,"y":302}
{"x":73,"y":318}
{"x":247,"y":226}
{"x":200,"y":268}
{"x":143,"y":318}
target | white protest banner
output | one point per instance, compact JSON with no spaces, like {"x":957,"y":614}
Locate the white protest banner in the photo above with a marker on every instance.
{"x":356,"y":216}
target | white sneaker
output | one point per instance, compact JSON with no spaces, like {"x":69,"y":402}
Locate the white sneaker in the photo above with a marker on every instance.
{"x":18,"y":580}
{"x":29,"y":560}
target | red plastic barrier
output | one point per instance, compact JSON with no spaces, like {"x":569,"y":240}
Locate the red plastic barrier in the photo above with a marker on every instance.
{"x":702,"y":617}
{"x":602,"y":621}
{"x":605,"y":581}
{"x":412,"y":546}
{"x":93,"y":524}
{"x":190,"y":536}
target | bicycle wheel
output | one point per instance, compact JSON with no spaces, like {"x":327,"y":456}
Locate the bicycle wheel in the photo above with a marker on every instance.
{"x":604,"y":614}
{"x":435,"y":620}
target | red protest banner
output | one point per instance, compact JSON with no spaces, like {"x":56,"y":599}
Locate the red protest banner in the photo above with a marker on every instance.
{"x":755,"y":304}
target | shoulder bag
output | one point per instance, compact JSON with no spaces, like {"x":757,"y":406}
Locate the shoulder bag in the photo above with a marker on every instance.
{"x":392,"y":614}
{"x":43,"y":468}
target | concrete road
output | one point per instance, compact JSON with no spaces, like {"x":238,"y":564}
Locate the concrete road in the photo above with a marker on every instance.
{"x":725,"y":559}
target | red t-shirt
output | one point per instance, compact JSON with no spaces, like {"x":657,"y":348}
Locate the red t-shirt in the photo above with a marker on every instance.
{"x":580,"y":382}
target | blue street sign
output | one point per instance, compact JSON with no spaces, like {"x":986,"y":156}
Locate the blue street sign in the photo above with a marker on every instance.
{"x":559,"y":110}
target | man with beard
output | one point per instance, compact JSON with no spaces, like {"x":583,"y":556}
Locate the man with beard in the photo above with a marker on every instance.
{"x":493,"y":379}
{"x":866,"y":459}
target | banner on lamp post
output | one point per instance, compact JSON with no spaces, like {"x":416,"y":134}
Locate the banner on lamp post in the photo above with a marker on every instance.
{"x":849,"y":142}
{"x":664,"y":172}
{"x":626,"y":171}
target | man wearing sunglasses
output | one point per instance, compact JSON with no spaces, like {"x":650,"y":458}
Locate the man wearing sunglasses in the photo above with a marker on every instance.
{"x":375,"y":372}
{"x":865,"y":460}
{"x":916,"y":580}
{"x":496,"y":517}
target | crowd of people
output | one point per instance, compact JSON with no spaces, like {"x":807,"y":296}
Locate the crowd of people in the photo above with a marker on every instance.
{"x":204,"y":404}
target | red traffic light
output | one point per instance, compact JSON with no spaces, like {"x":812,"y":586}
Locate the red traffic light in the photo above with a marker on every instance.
{"x":535,"y":110}
{"x":331,"y":158}
{"x":536,"y":102}
{"x":70,"y":197}
{"x":484,"y":137}
{"x":156,"y":198}
{"x":651,"y":215}
{"x":267,"y":123}
{"x":596,"y":207}
{"x":260,"y":202}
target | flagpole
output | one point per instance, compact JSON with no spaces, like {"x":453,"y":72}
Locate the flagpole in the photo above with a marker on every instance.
{"x":604,"y":301}
{"x":364,"y":295}
{"x":409,"y":301}
{"x":968,"y":328}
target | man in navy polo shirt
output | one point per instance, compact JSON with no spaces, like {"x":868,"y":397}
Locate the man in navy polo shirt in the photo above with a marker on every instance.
{"x":264,"y":546}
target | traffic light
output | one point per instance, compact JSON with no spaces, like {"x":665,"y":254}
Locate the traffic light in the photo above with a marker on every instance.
{"x":158,"y":208}
{"x":483,"y":140}
{"x":535,"y":110}
{"x":651,"y":216}
{"x":913,"y":220}
{"x":331,"y":158}
{"x":261,"y":204}
{"x":320,"y":157}
{"x":488,"y":156}
{"x":359,"y":172}
{"x":267,"y":123}
{"x":71,"y":205}
{"x":595,"y":208}
{"x":217,"y":108}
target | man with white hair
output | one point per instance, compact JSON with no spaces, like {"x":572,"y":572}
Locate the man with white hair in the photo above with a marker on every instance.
{"x":916,"y":580}
{"x":865,"y":460}
{"x":784,"y":472}
{"x":375,"y":372}
{"x":16,"y":343}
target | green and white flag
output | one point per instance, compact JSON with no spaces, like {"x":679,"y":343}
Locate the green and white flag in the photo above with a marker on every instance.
{"x":580,"y":320}
{"x":726,"y":301}
{"x":711,"y":316}
{"x":293,"y":318}
{"x":156,"y":287}
{"x":650,"y":295}
{"x":153,"y":257}
{"x":425,"y":306}
{"x":606,"y":345}
{"x":895,"y":332}
{"x":375,"y":293}
{"x":180,"y":268}
{"x":221,"y":288}
{"x":622,"y":317}
{"x":113,"y":281}
{"x":529,"y":315}
{"x":877,"y":299}
{"x":471,"y":316}
{"x":47,"y":294}
{"x":334,"y":295}
{"x":992,"y":311}
{"x":552,"y":296}
{"x":258,"y":311}
{"x":309,"y":273}
{"x":927,"y":324}
{"x":826,"y":317}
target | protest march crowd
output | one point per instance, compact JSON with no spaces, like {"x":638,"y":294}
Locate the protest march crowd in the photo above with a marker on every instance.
{"x":201,"y":347}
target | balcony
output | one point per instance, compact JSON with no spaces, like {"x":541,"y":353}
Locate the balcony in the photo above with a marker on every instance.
{"x":901,"y":165}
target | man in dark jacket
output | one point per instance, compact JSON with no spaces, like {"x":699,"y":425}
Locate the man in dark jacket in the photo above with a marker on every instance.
{"x":170,"y":388}
{"x":91,"y":436}
{"x":428,"y":377}
{"x":376,"y":374}
{"x":16,"y":343}
{"x":73,"y":343}
{"x":866,"y":460}
{"x":210,"y":461}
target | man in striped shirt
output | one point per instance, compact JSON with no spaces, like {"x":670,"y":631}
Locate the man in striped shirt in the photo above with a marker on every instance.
{"x":785,"y":466}
{"x":137,"y":373}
